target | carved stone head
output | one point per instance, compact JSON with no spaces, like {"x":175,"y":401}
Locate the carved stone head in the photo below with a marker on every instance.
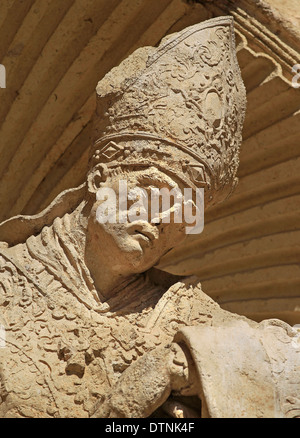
{"x":179,"y":107}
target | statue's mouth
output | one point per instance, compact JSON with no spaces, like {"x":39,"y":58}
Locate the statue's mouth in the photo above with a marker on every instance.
{"x":142,"y":231}
{"x":145,"y":236}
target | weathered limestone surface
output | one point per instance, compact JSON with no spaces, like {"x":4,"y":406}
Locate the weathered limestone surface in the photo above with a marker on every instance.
{"x":91,"y":329}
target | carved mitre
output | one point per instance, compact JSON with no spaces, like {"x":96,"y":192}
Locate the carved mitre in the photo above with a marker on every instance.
{"x":179,"y":107}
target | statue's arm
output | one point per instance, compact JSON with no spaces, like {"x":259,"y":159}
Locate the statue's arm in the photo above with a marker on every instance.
{"x":148,"y":382}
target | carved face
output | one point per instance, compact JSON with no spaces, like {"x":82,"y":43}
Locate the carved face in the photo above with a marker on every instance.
{"x":134,"y":241}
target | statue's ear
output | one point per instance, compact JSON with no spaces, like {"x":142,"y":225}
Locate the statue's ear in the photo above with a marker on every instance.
{"x":97,"y":176}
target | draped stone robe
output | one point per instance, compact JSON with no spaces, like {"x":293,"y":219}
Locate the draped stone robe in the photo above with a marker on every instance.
{"x":63,"y":349}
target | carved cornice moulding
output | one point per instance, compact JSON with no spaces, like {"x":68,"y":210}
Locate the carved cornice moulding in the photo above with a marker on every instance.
{"x":264,"y":29}
{"x":259,"y":38}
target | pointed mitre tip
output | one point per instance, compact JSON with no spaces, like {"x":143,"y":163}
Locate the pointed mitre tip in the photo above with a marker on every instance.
{"x":141,"y":58}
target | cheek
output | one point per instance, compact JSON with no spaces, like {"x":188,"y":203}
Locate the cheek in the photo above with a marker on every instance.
{"x":117,"y":237}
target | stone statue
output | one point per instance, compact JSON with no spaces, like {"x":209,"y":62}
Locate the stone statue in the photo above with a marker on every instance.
{"x":89,"y":327}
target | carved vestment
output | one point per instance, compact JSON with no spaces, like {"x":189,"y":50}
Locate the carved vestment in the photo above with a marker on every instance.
{"x":65,"y":350}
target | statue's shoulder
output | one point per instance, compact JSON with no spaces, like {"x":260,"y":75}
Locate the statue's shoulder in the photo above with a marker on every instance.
{"x":185,"y":302}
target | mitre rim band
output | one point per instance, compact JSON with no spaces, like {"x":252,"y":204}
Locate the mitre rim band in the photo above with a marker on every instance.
{"x":165,"y":169}
{"x":124,"y":136}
